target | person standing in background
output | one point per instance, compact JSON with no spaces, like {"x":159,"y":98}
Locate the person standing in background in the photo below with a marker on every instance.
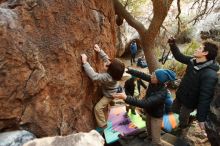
{"x":133,"y":88}
{"x":133,"y":49}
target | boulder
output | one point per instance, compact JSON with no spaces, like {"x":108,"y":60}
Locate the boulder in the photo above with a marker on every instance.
{"x":43,"y":86}
{"x":15,"y":138}
{"x":93,"y":138}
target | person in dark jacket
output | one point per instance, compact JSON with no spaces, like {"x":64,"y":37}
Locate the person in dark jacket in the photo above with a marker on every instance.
{"x":212,"y":124}
{"x":154,"y":100}
{"x":197,"y":86}
{"x":133,"y":87}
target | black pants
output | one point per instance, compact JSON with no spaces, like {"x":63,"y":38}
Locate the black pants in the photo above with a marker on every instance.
{"x":212,"y":131}
{"x":184,"y":113}
{"x":133,"y":58}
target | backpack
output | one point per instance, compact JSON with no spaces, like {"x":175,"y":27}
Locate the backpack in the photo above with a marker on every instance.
{"x":141,"y":62}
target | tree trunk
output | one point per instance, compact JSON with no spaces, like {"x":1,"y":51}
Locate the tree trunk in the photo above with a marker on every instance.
{"x":160,"y":8}
{"x":148,"y":36}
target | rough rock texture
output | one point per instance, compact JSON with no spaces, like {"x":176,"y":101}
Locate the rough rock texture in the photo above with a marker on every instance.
{"x":125,"y":34}
{"x":93,"y":138}
{"x":43,"y":86}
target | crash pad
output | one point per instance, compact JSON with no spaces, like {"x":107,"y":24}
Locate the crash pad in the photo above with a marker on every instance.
{"x":121,"y":122}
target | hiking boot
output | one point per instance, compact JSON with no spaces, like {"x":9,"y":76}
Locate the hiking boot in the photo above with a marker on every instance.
{"x":177,"y":131}
{"x":144,"y":135}
{"x":185,"y":138}
{"x":148,"y":140}
{"x":191,"y":119}
{"x":188,"y":141}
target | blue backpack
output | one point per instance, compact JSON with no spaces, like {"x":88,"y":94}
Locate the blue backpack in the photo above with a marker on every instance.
{"x":141,"y":62}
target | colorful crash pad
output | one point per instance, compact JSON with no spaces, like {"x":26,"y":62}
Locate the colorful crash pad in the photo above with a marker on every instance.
{"x":121,"y":123}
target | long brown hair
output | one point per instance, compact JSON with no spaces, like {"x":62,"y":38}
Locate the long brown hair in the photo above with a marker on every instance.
{"x":116,"y":69}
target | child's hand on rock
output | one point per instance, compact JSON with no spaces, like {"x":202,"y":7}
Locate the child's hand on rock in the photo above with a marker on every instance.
{"x":97,"y":48}
{"x":84,"y":58}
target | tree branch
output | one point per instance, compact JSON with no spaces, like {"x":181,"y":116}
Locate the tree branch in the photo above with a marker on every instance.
{"x":197,"y":1}
{"x":179,"y":9}
{"x":203,"y":12}
{"x":178,"y":16}
{"x":126,"y":4}
{"x":120,"y":10}
{"x":212,"y":7}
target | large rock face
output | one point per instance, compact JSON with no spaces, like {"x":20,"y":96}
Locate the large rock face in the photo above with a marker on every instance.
{"x":43,"y":86}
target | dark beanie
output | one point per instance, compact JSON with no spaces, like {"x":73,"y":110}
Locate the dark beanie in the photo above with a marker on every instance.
{"x":164,"y":75}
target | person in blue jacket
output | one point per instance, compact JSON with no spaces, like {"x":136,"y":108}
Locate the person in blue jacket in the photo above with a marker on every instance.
{"x":133,"y":49}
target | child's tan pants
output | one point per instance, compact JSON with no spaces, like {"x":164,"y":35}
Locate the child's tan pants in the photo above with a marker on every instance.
{"x":99,"y":111}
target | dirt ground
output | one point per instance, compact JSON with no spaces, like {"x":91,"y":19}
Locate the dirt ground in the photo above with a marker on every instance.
{"x":194,"y":132}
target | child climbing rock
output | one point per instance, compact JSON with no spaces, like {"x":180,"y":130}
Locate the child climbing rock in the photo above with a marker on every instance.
{"x":109,"y":83}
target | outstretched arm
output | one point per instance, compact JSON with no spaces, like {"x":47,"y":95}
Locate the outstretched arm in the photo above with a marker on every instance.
{"x":149,"y":103}
{"x":139,"y":74}
{"x":176,"y":52}
{"x":102,"y":54}
{"x":102,"y":77}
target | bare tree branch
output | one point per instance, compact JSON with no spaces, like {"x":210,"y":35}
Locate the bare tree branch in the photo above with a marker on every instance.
{"x":178,"y":16}
{"x":147,"y":36}
{"x":163,"y":27}
{"x":179,"y":9}
{"x":212,"y":7}
{"x":120,"y":10}
{"x":200,"y":14}
{"x":203,"y":9}
{"x":126,"y":4}
{"x":166,"y":31}
{"x":197,"y":1}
